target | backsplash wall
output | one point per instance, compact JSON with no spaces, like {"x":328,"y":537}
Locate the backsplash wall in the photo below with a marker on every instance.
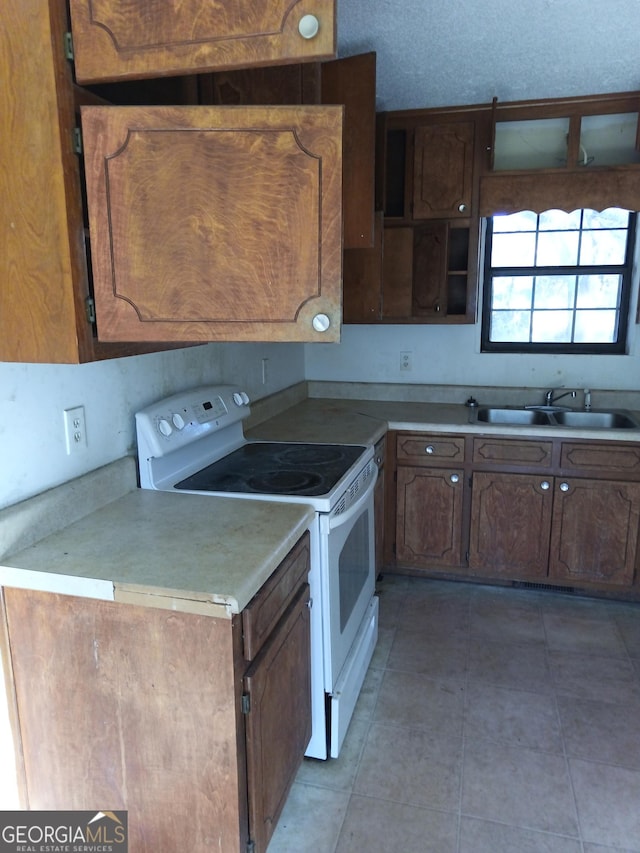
{"x":450,"y":355}
{"x":33,"y":454}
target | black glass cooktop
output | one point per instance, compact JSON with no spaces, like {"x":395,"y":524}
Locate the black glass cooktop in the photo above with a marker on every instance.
{"x":276,"y":468}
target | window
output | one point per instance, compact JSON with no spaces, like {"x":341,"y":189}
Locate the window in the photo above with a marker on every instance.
{"x":558,"y":282}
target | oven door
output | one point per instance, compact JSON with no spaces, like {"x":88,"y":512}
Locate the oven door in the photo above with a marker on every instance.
{"x":348,"y":578}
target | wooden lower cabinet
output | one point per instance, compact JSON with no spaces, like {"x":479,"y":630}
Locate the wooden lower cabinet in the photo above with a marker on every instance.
{"x":540,"y":510}
{"x":510,"y":525}
{"x":159,"y":712}
{"x":594,"y":535}
{"x":429,"y":516}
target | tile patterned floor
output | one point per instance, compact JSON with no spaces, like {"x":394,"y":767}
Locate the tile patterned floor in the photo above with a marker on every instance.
{"x":492,"y":720}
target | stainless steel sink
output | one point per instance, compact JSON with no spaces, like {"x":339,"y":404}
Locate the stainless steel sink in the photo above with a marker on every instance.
{"x":555,"y":416}
{"x":491,"y":415}
{"x":596,"y":420}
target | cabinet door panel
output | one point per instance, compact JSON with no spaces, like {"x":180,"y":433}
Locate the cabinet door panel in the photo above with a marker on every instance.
{"x":397,"y":273}
{"x":510,"y":525}
{"x":113,"y":39}
{"x":429,"y":516}
{"x":430,"y":448}
{"x":430,"y":243}
{"x":215,"y":223}
{"x":279,"y":720}
{"x":595,"y":531}
{"x":443,"y":171}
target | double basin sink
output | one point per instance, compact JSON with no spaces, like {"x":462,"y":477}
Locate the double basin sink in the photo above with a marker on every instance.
{"x":604,"y":419}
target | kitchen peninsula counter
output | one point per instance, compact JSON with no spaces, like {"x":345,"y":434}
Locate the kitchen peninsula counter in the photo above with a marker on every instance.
{"x":179,"y":551}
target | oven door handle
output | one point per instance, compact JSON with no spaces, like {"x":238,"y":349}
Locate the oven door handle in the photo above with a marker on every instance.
{"x":354,"y":509}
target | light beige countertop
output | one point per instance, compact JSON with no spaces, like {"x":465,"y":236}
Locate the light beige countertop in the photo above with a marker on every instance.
{"x":354,"y":421}
{"x":184,"y":552}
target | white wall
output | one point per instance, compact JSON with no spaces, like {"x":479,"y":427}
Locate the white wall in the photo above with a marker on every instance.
{"x":450,"y":355}
{"x":32,"y":398}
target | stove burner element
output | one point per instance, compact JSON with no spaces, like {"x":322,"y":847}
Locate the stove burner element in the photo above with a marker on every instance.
{"x":310,"y":455}
{"x":284,"y":482}
{"x":276,"y":468}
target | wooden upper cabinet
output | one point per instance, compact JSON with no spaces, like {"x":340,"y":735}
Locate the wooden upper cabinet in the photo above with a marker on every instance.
{"x":119,"y":39}
{"x":215,"y":223}
{"x":443,"y":170}
{"x":566,"y":153}
{"x":350,"y":82}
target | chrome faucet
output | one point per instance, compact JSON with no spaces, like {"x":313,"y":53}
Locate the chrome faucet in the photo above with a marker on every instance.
{"x":549,"y":398}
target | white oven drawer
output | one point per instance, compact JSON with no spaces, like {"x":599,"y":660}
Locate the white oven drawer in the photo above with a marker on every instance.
{"x":347,"y":690}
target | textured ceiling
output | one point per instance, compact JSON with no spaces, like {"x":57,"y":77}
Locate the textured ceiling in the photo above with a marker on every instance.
{"x":446,"y":52}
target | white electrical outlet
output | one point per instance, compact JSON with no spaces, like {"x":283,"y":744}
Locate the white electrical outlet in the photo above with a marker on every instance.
{"x":406,"y":360}
{"x":75,"y":430}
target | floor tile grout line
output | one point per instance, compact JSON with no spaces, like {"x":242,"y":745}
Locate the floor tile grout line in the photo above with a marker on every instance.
{"x":561,"y":730}
{"x":463,"y":732}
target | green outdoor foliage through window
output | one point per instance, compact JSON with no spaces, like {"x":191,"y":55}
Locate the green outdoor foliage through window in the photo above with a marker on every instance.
{"x":558,"y":282}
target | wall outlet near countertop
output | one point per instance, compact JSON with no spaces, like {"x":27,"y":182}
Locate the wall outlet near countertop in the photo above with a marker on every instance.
{"x":75,"y":430}
{"x":406,"y":361}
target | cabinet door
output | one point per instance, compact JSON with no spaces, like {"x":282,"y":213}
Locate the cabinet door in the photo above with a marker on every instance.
{"x":429,"y":516}
{"x":443,"y":171}
{"x":430,"y":249}
{"x":278,"y":723}
{"x":595,"y":531}
{"x":116,"y":39}
{"x":351,"y":82}
{"x":213,"y":224}
{"x":362,"y":280}
{"x":510,"y":524}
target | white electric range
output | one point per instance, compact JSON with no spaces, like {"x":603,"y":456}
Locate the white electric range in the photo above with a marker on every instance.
{"x":193,"y":442}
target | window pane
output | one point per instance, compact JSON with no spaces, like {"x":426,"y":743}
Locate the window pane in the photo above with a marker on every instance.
{"x":595,"y":327}
{"x":557,"y":249}
{"x":510,"y":326}
{"x":555,"y":291}
{"x":551,"y":326}
{"x":598,"y":291}
{"x":556,"y":279}
{"x":512,"y":292}
{"x":560,"y":220}
{"x":603,"y":247}
{"x":513,"y":250}
{"x":613,"y":217}
{"x":526,"y":220}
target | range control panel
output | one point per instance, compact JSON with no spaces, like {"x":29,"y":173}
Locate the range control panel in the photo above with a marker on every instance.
{"x":176,"y":421}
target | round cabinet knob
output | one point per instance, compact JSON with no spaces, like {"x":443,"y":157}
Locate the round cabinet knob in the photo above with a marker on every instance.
{"x":321,"y":322}
{"x":462,"y":208}
{"x":545,"y":485}
{"x":455,"y":478}
{"x":564,"y":487}
{"x":237,"y":398}
{"x":308,"y":26}
{"x":165,"y":427}
{"x":430,"y":449}
{"x":178,"y":421}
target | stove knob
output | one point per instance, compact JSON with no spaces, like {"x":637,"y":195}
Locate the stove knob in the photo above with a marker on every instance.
{"x":178,"y":421}
{"x":237,"y":398}
{"x":165,"y":427}
{"x":245,"y":397}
